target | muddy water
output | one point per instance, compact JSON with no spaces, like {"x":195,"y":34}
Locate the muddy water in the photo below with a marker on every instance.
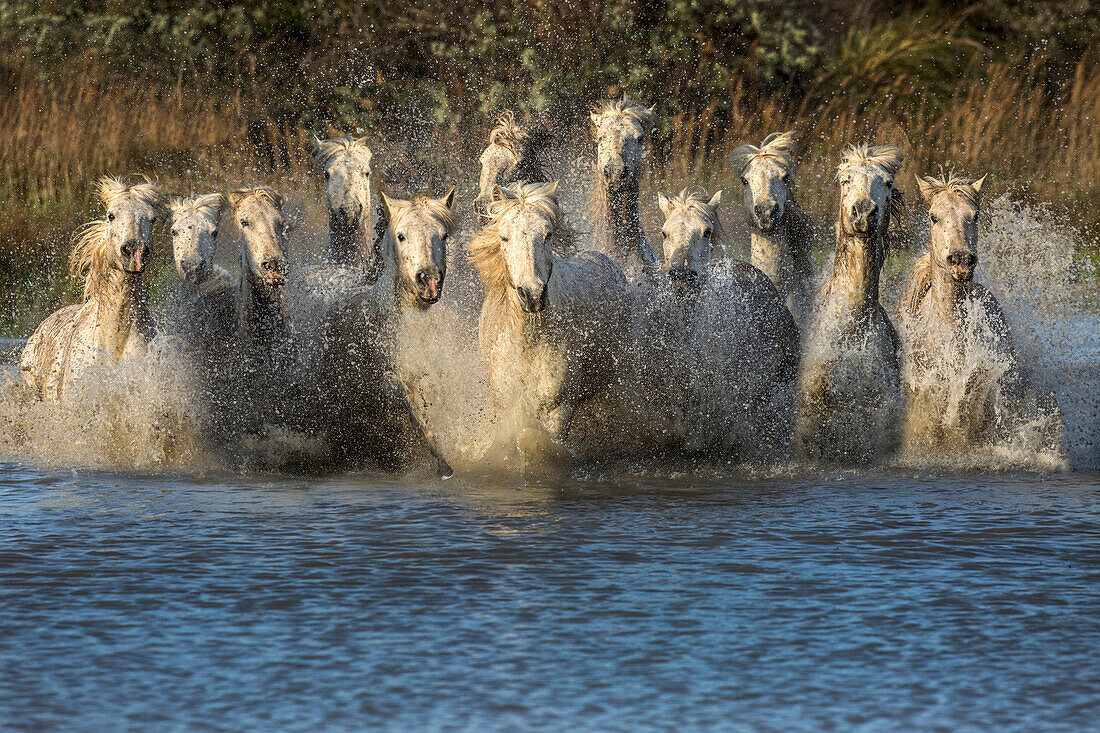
{"x":812,"y":601}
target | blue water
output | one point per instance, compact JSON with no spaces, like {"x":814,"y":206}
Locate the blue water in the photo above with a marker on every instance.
{"x":831,"y":601}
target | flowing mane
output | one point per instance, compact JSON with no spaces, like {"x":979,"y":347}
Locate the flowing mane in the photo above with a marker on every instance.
{"x":484,"y":248}
{"x":239,"y":195}
{"x":112,"y":188}
{"x":696,"y":199}
{"x":778,"y":145}
{"x":508,"y":134}
{"x":324,"y":150}
{"x":89,"y":260}
{"x":920,"y":280}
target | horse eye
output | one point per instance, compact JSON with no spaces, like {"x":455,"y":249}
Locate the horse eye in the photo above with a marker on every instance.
{"x":786,"y":177}
{"x":400,"y":237}
{"x":707,"y":233}
{"x":327,"y":175}
{"x":244,"y":222}
{"x":174,"y":232}
{"x":503,"y":238}
{"x":110,"y":217}
{"x":889,"y":184}
{"x":214,"y":233}
{"x":664,"y":235}
{"x":935,"y":219}
{"x":744,"y":181}
{"x":444,"y":236}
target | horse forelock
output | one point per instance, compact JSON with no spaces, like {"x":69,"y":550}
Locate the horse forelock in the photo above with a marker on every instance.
{"x":113,"y":188}
{"x":950,"y":183}
{"x":238,"y":196}
{"x":778,"y":145}
{"x":625,"y":108}
{"x":208,"y":205}
{"x":509,"y":134}
{"x":422,"y":202}
{"x":355,"y":147}
{"x":697,"y":200}
{"x":889,"y":158}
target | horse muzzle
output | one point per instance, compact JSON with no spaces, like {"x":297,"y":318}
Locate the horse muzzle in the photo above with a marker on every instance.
{"x":429,"y":285}
{"x":765,"y":217}
{"x":137,"y":256}
{"x":531,"y":299}
{"x":683,"y":280}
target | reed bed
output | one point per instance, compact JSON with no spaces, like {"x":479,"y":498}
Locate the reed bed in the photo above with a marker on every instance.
{"x":58,"y":134}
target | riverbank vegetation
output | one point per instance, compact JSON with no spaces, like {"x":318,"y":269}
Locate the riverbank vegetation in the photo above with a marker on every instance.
{"x":208,"y":95}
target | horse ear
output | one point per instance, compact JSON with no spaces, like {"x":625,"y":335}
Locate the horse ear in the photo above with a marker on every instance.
{"x":662,"y":203}
{"x":552,"y":188}
{"x":235,"y":197}
{"x":314,"y":145}
{"x":715,"y":199}
{"x":449,"y":199}
{"x":595,"y":117}
{"x":977,"y":185}
{"x":927,"y":187}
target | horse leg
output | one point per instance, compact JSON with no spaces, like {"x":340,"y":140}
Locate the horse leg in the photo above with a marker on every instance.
{"x":406,"y":394}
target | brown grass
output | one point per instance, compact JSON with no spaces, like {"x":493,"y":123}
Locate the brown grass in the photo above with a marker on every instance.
{"x":58,"y":137}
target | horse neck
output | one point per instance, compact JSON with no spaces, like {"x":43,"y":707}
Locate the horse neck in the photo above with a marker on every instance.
{"x":262,"y":309}
{"x":771,"y":252}
{"x":857,"y":268}
{"x":122,"y":310}
{"x":624,"y":223}
{"x":945,"y":294}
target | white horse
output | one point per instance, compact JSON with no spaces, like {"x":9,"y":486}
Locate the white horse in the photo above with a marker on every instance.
{"x":356,"y":225}
{"x":204,"y":300}
{"x":377,"y":392}
{"x":113,"y":322}
{"x":782,"y":235}
{"x":514,"y":154}
{"x":261,"y":307}
{"x":552,"y":327}
{"x":964,"y":385}
{"x":850,"y":404}
{"x":621,"y":127}
{"x":721,"y":345}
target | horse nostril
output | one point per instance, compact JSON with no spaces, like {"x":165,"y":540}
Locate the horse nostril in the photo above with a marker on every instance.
{"x":270,"y":265}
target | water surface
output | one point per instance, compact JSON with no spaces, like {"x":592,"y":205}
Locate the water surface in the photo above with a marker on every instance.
{"x":783,"y":603}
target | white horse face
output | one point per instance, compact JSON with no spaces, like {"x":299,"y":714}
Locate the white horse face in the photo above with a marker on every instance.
{"x":526,"y":236}
{"x":264,"y":229}
{"x":347,"y":183}
{"x":954,"y":232}
{"x":194,"y":238}
{"x":619,"y":146}
{"x":420,"y":235}
{"x":766,"y":186}
{"x":688,"y":235}
{"x":130,"y":232}
{"x":865,"y":192}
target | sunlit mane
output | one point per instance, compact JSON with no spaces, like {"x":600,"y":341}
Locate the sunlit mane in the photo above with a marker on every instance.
{"x":508,"y":134}
{"x":695,"y":199}
{"x":89,"y":257}
{"x":239,"y":195}
{"x":949,"y":183}
{"x":324,"y":150}
{"x":208,"y":205}
{"x":887,"y":157}
{"x":628,"y":108}
{"x":484,"y":248}
{"x":400,"y":208}
{"x":112,"y":188}
{"x":778,"y":145}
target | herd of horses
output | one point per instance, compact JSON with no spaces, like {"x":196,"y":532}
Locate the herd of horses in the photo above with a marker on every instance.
{"x":684,"y":350}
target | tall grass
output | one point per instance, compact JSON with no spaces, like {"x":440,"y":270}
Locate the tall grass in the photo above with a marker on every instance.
{"x":60,"y":131}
